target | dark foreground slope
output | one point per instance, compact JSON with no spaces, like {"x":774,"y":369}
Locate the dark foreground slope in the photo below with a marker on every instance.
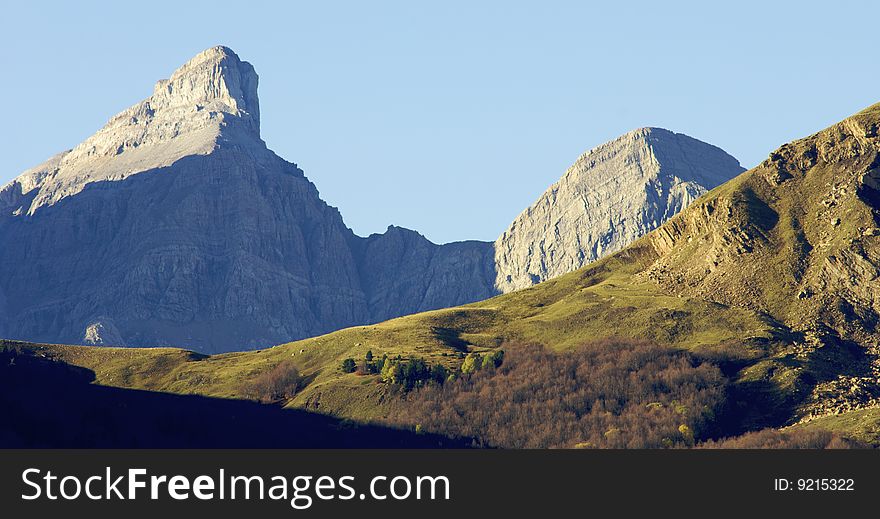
{"x":49,"y":404}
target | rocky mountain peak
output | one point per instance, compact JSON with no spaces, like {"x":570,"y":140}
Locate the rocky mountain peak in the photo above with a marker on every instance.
{"x":213,"y":89}
{"x":212,"y":96}
{"x":612,"y":195}
{"x":215,"y":79}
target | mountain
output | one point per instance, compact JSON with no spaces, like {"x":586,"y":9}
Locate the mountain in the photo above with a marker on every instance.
{"x":176,"y":225}
{"x":771,"y":278}
{"x":611,"y":196}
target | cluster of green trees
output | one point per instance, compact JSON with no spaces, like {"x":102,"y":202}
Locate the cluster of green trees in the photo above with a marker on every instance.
{"x":369,"y":366}
{"x":416,"y":372}
{"x":474,"y":362}
{"x":412,"y":372}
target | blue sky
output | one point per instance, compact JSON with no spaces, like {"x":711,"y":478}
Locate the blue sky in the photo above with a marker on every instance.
{"x":448,"y":117}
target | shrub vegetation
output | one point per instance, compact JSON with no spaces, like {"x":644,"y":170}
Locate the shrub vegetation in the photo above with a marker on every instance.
{"x":606,"y":394}
{"x":790,"y":439}
{"x":275,"y":385}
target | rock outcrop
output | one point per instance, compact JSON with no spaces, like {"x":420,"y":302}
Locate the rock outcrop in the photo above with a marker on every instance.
{"x":610,"y":197}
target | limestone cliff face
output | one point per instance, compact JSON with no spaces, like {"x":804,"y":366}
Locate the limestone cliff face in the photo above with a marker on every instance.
{"x":611,"y":196}
{"x":175,"y":225}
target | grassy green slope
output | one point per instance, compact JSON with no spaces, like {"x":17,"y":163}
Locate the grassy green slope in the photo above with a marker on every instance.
{"x":586,"y":305}
{"x":862,"y":425}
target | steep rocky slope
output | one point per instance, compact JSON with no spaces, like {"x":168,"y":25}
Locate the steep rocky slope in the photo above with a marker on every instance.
{"x":611,"y":196}
{"x":797,"y":239}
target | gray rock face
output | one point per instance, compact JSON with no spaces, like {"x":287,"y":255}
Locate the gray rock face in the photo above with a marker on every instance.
{"x":401,"y":268}
{"x":610,"y":197}
{"x":176,"y":225}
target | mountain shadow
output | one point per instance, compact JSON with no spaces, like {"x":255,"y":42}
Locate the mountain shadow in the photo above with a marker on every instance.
{"x":51,"y":404}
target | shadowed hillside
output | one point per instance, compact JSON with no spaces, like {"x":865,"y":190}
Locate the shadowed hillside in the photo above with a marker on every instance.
{"x":49,"y":404}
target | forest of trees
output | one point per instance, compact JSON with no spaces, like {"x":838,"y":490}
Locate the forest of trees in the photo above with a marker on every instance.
{"x":607,"y":394}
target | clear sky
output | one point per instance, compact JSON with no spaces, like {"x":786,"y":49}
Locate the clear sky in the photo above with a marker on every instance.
{"x":448,"y":117}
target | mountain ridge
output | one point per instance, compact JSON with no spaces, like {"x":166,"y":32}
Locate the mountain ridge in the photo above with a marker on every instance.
{"x":174,"y":224}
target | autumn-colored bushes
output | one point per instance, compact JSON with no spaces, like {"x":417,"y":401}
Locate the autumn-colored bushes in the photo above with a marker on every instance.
{"x":789,"y":439}
{"x":277,"y":384}
{"x":608,"y":394}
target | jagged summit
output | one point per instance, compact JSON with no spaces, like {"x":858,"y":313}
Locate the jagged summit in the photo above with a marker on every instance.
{"x":215,"y":79}
{"x":211,"y":96}
{"x":610,"y":196}
{"x":212,"y":88}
